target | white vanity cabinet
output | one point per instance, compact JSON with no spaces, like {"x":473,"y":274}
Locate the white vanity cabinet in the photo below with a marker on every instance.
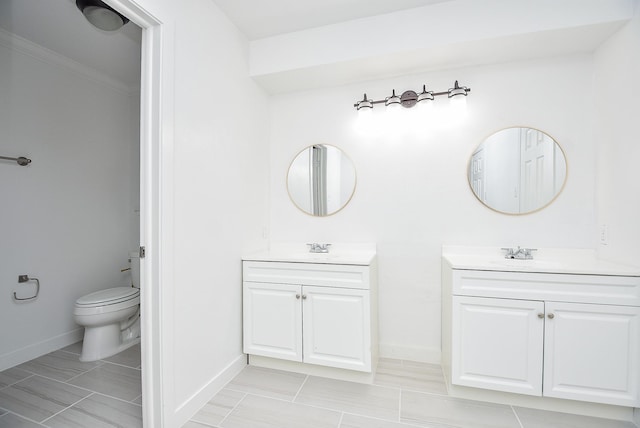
{"x":313,"y":313}
{"x":497,"y":344}
{"x":572,"y":336}
{"x":591,"y":353}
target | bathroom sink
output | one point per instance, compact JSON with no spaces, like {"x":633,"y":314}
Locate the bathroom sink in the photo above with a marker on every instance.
{"x":350,"y":254}
{"x":546,"y":260}
{"x":334,"y":257}
{"x":521,"y":262}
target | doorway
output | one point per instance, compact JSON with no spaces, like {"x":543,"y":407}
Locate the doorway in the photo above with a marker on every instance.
{"x":149,"y":209}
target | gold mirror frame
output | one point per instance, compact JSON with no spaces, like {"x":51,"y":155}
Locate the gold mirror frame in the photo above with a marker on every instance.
{"x":314,"y":196}
{"x":540,"y":199}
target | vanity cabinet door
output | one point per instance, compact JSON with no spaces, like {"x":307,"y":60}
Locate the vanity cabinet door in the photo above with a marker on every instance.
{"x":497,"y":344}
{"x":337,"y":327}
{"x":272,"y":315}
{"x":591,"y":353}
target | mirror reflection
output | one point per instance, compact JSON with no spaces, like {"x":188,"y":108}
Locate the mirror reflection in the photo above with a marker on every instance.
{"x":321,"y":180}
{"x":517,"y":170}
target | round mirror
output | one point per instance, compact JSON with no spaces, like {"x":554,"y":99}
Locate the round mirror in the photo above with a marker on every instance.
{"x":321,"y":180}
{"x":517,"y":170}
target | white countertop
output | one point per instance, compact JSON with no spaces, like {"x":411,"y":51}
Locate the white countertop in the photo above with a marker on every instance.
{"x":342,"y":254}
{"x":545,"y":260}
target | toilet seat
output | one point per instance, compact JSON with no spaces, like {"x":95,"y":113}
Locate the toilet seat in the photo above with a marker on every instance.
{"x":110,"y":296}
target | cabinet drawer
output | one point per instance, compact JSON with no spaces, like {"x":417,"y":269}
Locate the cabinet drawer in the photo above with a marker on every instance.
{"x":601,"y":289}
{"x":327,"y":275}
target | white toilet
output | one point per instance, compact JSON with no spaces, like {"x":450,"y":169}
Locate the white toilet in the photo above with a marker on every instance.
{"x":111,"y":317}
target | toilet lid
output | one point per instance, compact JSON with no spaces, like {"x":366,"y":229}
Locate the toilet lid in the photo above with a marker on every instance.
{"x":109,"y":296}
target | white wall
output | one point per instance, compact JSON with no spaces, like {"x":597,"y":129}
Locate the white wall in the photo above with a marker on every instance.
{"x":66,"y":218}
{"x":413,"y":195}
{"x":617,"y":65}
{"x":214,"y":195}
{"x":617,"y":62}
{"x":134,"y":165}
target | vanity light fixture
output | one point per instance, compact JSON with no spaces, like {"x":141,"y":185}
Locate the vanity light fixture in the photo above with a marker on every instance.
{"x":425,"y":95}
{"x":458,"y":90}
{"x":365,"y":103}
{"x":410,"y":98}
{"x":392,"y":100}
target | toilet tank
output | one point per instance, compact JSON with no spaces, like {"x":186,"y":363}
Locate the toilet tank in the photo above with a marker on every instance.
{"x":134,"y":257}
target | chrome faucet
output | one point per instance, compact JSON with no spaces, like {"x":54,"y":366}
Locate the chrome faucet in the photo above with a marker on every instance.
{"x":318,"y":248}
{"x":519,"y":253}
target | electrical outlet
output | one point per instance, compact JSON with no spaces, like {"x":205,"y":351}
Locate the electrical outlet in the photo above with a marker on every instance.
{"x":604,"y":234}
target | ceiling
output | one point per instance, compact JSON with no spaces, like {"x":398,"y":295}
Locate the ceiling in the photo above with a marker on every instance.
{"x":62,"y":28}
{"x":258,"y":18}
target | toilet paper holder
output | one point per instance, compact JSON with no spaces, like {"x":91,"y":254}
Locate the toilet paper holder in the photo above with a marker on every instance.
{"x":25,"y":278}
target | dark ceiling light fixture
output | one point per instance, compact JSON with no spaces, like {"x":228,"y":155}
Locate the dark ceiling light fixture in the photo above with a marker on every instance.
{"x":101,"y":15}
{"x":410,"y":98}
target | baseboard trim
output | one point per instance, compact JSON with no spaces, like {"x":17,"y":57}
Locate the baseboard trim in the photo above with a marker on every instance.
{"x":597,"y":410}
{"x":186,"y":410}
{"x":36,"y":350}
{"x":314,"y":370}
{"x":411,"y":353}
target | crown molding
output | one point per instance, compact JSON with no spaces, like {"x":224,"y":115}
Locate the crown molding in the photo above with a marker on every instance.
{"x":34,"y":50}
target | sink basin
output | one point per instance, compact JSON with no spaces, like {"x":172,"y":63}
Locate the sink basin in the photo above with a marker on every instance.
{"x":546,"y":260}
{"x":310,"y":256}
{"x":354,"y":254}
{"x":520,"y":263}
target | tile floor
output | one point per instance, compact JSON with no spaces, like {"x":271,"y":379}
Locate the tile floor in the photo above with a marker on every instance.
{"x":58,"y":391}
{"x":403,"y":395}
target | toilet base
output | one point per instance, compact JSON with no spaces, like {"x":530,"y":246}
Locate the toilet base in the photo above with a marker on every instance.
{"x":106,"y":341}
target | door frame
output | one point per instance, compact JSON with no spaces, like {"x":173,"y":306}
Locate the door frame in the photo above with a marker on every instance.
{"x":156,"y":157}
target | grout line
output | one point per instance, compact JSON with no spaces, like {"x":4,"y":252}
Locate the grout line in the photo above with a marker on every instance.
{"x":300,"y":389}
{"x":444,"y":377}
{"x":516,"y":415}
{"x":107,"y":395}
{"x":205,"y":424}
{"x":21,"y":416}
{"x":397,"y":420}
{"x":375,"y":418}
{"x":116,"y":398}
{"x":116,"y":364}
{"x":234,"y":408}
{"x":83,"y":373}
{"x":400,"y":406}
{"x":121,"y":365}
{"x":284,"y":400}
{"x":60,"y":369}
{"x":69,"y":352}
{"x":91,"y":391}
{"x":51,"y":379}
{"x":17,"y":382}
{"x":66,"y":408}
